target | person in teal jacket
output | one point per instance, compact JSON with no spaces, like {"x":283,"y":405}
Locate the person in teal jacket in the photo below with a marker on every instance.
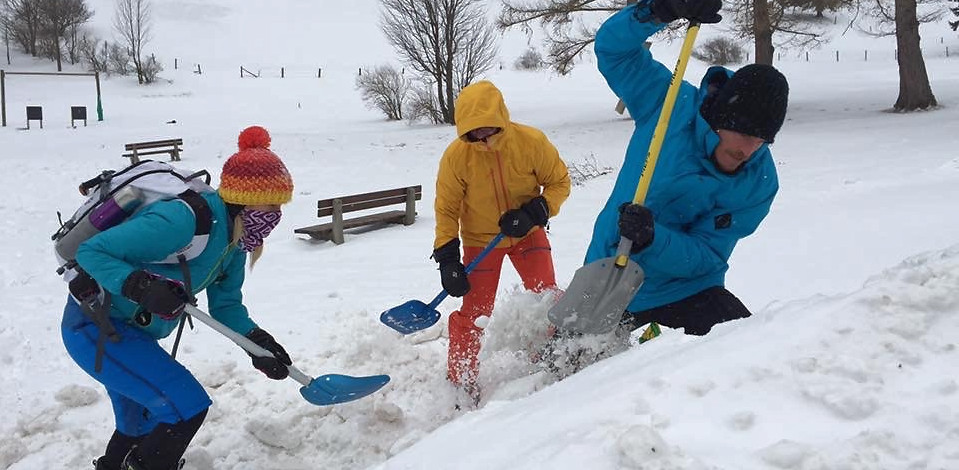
{"x":715,"y":179}
{"x":158,"y":404}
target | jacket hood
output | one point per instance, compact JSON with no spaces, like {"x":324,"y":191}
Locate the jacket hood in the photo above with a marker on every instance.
{"x":715,"y":76}
{"x":480,"y":105}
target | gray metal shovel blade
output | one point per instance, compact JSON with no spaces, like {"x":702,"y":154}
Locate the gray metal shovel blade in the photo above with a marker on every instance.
{"x":597,"y":296}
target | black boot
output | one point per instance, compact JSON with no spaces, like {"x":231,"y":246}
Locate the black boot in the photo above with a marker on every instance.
{"x":134,"y":462}
{"x":163,"y":448}
{"x":118,"y":447}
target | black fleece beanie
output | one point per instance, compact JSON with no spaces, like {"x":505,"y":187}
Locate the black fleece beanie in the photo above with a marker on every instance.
{"x":752,"y":101}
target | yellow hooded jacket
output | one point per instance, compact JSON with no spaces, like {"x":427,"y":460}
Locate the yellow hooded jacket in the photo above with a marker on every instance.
{"x":479,"y":181}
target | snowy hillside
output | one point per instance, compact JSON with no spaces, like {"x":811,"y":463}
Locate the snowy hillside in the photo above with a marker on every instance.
{"x":849,"y":361}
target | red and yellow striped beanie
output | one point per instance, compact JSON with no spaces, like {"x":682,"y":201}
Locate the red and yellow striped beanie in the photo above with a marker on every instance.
{"x":255,"y":175}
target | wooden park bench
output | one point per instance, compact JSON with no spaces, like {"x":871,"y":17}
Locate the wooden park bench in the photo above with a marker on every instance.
{"x":338,"y":206}
{"x":155,"y":147}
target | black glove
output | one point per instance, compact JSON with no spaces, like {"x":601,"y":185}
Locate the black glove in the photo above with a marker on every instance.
{"x":274,"y":367}
{"x":696,"y":11}
{"x":518,"y":222}
{"x":636,"y":224}
{"x":156,"y":294}
{"x":452,"y":271}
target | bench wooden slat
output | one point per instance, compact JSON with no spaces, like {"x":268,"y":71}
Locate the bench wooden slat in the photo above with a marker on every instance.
{"x":325,"y":231}
{"x":337,"y":206}
{"x":370,"y":196}
{"x":149,"y":152}
{"x":170,"y":146}
{"x":360,"y":205}
{"x":152,"y":144}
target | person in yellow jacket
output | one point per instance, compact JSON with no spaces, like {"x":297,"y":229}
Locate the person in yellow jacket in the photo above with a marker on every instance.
{"x":496,"y":176}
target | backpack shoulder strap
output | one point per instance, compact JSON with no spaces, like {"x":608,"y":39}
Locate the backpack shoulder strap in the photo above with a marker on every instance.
{"x":204,"y":224}
{"x":201,"y":210}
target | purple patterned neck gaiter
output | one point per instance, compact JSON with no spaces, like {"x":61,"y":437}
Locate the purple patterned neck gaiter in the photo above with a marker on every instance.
{"x":256,"y":226}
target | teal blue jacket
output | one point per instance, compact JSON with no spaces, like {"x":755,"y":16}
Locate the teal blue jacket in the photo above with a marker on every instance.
{"x":700,"y":213}
{"x":153,"y":234}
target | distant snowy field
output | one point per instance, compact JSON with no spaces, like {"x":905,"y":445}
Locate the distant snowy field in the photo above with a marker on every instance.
{"x":849,"y":361}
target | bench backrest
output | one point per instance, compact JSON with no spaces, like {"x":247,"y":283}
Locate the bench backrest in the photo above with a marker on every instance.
{"x":358,"y":202}
{"x":153,"y":144}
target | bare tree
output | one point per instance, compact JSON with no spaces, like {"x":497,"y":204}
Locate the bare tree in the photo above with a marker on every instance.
{"x":22,"y":20}
{"x":96,"y":57}
{"x":955,"y":11}
{"x":58,"y":17}
{"x":133,"y":22}
{"x":529,"y":60}
{"x":448,"y":42}
{"x":118,"y":59}
{"x":719,"y":51}
{"x":762,"y":20}
{"x":567,"y":34}
{"x":384,"y":88}
{"x":150,"y":69}
{"x":902,"y":18}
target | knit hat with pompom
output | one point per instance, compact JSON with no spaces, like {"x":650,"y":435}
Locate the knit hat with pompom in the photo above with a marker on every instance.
{"x":255,"y":175}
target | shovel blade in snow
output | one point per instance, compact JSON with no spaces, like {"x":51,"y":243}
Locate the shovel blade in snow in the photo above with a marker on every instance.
{"x":597,"y":297}
{"x":331,"y":389}
{"x":410,"y":317}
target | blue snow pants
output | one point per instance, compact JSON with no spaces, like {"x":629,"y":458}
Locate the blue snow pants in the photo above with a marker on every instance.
{"x":146,"y":386}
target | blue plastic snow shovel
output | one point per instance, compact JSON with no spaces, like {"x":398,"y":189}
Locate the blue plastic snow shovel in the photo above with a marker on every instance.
{"x":328,"y":389}
{"x":415,"y":315}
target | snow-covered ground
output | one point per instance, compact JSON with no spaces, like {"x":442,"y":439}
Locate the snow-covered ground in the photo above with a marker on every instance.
{"x":849,"y":361}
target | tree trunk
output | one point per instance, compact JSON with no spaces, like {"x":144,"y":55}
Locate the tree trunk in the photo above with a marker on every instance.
{"x":440,"y":97}
{"x":914,"y":90}
{"x":58,"y":54}
{"x":763,"y":32}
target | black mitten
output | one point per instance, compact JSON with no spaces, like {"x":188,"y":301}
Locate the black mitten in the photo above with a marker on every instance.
{"x":156,"y":294}
{"x":696,"y":11}
{"x":274,"y":367}
{"x":636,"y":224}
{"x":452,"y":271}
{"x":517,"y":223}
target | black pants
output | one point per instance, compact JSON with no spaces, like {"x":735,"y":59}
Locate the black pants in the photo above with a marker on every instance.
{"x":696,"y":314}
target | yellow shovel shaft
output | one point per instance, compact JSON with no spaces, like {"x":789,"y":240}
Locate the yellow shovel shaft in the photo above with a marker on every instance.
{"x":659,"y":133}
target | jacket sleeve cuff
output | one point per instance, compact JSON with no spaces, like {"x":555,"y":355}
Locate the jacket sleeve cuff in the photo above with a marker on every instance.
{"x":643,"y":12}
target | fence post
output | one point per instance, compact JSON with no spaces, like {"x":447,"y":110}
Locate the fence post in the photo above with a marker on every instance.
{"x":865,"y":55}
{"x":360,"y":71}
{"x":319,"y":72}
{"x":947,"y":51}
{"x":807,"y":56}
{"x":96,"y":78}
{"x":241,"y":71}
{"x":282,"y":72}
{"x":175,"y":63}
{"x":3,"y":99}
{"x":837,"y":56}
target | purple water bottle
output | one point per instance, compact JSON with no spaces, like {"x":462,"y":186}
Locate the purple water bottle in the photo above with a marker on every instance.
{"x":107,"y":214}
{"x":115,"y":209}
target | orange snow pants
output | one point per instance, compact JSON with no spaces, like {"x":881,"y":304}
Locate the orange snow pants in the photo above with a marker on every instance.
{"x":532,"y":259}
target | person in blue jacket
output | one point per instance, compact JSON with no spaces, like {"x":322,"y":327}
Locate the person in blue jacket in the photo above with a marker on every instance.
{"x":715,"y":179}
{"x":158,"y":404}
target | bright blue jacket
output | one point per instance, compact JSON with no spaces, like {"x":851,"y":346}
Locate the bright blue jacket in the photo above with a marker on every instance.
{"x":700,"y":213}
{"x":153,"y":234}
